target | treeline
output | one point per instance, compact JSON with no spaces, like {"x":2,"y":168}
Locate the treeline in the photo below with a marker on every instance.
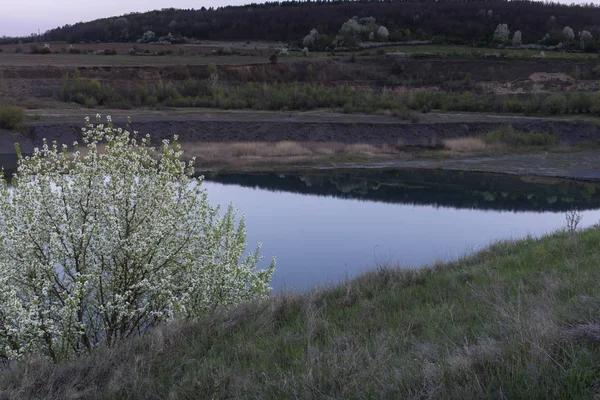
{"x":464,"y":21}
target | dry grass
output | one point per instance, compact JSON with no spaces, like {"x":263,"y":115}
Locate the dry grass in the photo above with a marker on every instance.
{"x":228,"y":150}
{"x":363,"y":148}
{"x":465,"y":145}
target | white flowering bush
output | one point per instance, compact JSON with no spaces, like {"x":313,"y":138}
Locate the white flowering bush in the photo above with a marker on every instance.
{"x":100,"y":244}
{"x":568,"y":33}
{"x":517,"y":39}
{"x":311,"y":40}
{"x":383,"y":33}
{"x":585,"y":39}
{"x":501,"y":34}
{"x":352,"y":27}
{"x":147,"y":37}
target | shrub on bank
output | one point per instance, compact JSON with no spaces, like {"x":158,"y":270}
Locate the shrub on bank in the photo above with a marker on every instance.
{"x":555,"y":104}
{"x":510,"y":137}
{"x":11,"y":117}
{"x":126,"y":240}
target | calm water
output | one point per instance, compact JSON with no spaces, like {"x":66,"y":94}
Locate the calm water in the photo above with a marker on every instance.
{"x":325,"y":227}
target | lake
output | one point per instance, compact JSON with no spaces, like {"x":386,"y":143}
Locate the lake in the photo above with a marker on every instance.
{"x":325,"y":227}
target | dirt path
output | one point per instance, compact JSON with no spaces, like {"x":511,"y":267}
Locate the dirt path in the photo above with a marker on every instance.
{"x":77,"y":115}
{"x":580,"y":166}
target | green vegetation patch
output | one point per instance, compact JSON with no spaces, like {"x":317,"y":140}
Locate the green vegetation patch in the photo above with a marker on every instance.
{"x":11,"y":117}
{"x":510,"y":137}
{"x":212,"y":93}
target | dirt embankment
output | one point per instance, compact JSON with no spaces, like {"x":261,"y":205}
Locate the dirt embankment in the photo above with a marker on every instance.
{"x":202,"y":130}
{"x":319,"y":69}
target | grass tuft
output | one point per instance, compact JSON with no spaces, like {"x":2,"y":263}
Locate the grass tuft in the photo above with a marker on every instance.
{"x":510,"y":137}
{"x":287,"y":148}
{"x":465,"y":145}
{"x":11,"y":117}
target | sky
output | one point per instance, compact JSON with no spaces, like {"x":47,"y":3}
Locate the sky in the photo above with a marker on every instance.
{"x":20,"y":18}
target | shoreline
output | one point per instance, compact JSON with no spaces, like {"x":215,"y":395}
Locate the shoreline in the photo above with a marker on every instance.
{"x":313,"y":141}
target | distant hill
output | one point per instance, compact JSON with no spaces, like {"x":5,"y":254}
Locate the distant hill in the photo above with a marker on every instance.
{"x":465,"y":21}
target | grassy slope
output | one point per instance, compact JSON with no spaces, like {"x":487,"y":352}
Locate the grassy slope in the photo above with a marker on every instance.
{"x":518,"y":320}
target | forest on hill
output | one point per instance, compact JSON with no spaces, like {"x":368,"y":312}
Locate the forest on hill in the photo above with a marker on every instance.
{"x":445,"y":21}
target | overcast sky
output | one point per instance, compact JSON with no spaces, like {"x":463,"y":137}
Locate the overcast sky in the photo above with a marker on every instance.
{"x":22,"y":17}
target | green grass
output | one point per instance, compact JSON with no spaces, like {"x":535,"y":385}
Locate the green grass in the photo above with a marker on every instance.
{"x":510,"y":137}
{"x":517,"y":320}
{"x":252,"y":95}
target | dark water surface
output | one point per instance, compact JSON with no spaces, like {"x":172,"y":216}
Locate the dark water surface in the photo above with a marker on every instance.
{"x":326,"y":226}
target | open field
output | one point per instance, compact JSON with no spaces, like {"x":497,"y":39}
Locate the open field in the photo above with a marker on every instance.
{"x":517,"y":320}
{"x":475,"y":52}
{"x":203,"y":48}
{"x":90,"y":60}
{"x":265,"y":49}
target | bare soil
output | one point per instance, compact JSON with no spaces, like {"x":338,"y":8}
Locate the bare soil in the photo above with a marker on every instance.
{"x":202,"y":126}
{"x":331,"y":130}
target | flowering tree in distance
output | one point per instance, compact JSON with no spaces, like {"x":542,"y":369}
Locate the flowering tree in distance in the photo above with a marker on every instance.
{"x":585,"y":39}
{"x":383,"y":33}
{"x":501,"y":34}
{"x":102,"y":244}
{"x":517,"y":39}
{"x":568,"y":33}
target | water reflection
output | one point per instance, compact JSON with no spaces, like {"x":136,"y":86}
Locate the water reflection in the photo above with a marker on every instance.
{"x":323,"y":227}
{"x":436,"y":188}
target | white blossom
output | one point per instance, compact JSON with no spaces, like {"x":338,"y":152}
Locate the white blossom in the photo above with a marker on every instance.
{"x":352,"y":27}
{"x":147,"y":37}
{"x":383,"y":33}
{"x":501,"y":34}
{"x":102,"y":244}
{"x":517,"y":39}
{"x":585,"y":37}
{"x":568,"y":33}
{"x":312,"y":39}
